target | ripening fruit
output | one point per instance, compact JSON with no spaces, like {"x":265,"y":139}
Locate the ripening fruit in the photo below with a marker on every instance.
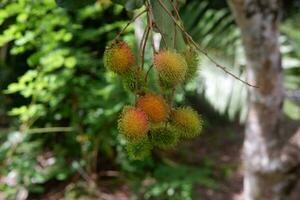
{"x":138,"y":150}
{"x":187,"y":122}
{"x":192,"y":59}
{"x":135,"y":80}
{"x":163,"y":135}
{"x":118,"y":57}
{"x":133,"y":123}
{"x":171,"y":67}
{"x":154,"y":106}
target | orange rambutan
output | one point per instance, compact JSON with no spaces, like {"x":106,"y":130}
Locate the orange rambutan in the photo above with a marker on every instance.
{"x":118,"y":57}
{"x":133,"y":123}
{"x":154,"y":106}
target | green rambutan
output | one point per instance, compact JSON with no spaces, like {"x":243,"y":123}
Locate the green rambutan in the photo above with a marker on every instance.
{"x":192,"y":58}
{"x":171,"y":66}
{"x":163,"y":135}
{"x":187,"y":121}
{"x":118,"y":57}
{"x":133,"y":123}
{"x":134,"y":81}
{"x":138,"y":150}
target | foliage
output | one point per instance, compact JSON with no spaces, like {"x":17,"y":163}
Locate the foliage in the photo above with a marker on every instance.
{"x":130,"y":4}
{"x":74,"y":4}
{"x":172,"y":181}
{"x":212,"y":25}
{"x":66,"y":103}
{"x":70,"y":104}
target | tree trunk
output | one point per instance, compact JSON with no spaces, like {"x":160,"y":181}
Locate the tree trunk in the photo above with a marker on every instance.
{"x":264,"y":177}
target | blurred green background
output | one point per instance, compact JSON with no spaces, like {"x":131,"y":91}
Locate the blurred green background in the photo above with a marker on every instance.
{"x":59,"y":106}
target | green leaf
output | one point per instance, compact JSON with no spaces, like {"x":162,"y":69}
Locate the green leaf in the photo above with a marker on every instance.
{"x":167,"y":28}
{"x":74,"y":4}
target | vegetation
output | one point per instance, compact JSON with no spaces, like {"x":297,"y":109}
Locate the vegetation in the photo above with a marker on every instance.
{"x":64,"y":97}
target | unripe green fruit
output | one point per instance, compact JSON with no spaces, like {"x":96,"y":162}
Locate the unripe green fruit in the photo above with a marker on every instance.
{"x":119,"y":58}
{"x":192,"y":58}
{"x":187,"y":121}
{"x":163,"y":135}
{"x":133,"y":123}
{"x":171,"y":67}
{"x":138,"y":150}
{"x":134,"y":81}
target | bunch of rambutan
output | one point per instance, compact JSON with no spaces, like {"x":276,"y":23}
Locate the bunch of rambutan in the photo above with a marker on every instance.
{"x":152,"y":121}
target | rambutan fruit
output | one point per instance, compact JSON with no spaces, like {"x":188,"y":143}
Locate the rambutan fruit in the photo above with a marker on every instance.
{"x":138,"y":150}
{"x":133,"y":123}
{"x":192,"y":59}
{"x":118,"y":57}
{"x":187,"y":121}
{"x":135,"y":80}
{"x":163,"y":135}
{"x":171,"y":66}
{"x":154,"y":106}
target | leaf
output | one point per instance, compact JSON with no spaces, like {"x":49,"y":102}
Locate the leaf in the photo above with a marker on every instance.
{"x":166,"y":26}
{"x":74,"y":4}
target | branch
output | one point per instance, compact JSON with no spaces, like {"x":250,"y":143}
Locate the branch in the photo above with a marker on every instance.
{"x":143,"y":45}
{"x":199,"y":49}
{"x":49,"y":130}
{"x":130,"y":22}
{"x":152,"y":23}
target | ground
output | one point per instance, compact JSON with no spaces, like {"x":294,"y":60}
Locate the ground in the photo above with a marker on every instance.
{"x":220,"y":146}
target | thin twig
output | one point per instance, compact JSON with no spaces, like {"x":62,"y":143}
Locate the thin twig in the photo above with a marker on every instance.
{"x":153,"y":24}
{"x":199,"y":49}
{"x":143,"y":38}
{"x":150,"y":24}
{"x":49,"y":130}
{"x":175,"y":9}
{"x":161,"y":33}
{"x":130,"y":22}
{"x":144,"y":46}
{"x":147,"y":74}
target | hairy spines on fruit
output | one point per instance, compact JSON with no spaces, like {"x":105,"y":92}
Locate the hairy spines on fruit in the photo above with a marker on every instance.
{"x":154,"y":106}
{"x":171,"y":66}
{"x":192,"y":59}
{"x":118,"y":57}
{"x":140,"y":149}
{"x":163,"y":135}
{"x":133,"y":123}
{"x":187,"y":121}
{"x":134,"y":81}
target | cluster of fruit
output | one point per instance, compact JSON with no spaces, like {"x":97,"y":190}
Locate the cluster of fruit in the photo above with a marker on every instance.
{"x":152,"y":121}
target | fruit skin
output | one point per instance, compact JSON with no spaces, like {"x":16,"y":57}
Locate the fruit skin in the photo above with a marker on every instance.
{"x":187,"y":121}
{"x":163,"y":135}
{"x":138,"y":150}
{"x":118,"y":57}
{"x":154,"y":106}
{"x":192,"y":59}
{"x":171,"y":67}
{"x":133,"y":123}
{"x":134,"y":81}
